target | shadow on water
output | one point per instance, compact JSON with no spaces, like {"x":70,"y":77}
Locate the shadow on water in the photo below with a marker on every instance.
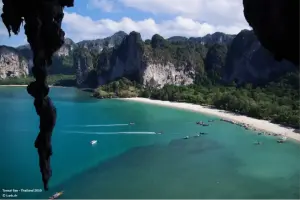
{"x":191,"y":168}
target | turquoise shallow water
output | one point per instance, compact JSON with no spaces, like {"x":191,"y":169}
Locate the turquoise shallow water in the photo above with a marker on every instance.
{"x":131,"y":161}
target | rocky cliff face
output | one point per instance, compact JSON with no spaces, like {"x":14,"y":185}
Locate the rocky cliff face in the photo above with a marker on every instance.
{"x":144,"y":64}
{"x":12,"y":64}
{"x":71,"y":58}
{"x":210,"y":39}
{"x":66,"y":49}
{"x":98,"y":44}
{"x":62,"y":59}
{"x":83,"y":63}
{"x":215,"y":38}
{"x":248,"y":61}
{"x":215,"y":61}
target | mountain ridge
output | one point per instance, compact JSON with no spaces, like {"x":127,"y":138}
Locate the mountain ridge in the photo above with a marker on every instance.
{"x":123,"y":34}
{"x":175,"y":60}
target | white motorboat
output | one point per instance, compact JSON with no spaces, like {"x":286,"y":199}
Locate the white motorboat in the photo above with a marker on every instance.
{"x":93,"y":142}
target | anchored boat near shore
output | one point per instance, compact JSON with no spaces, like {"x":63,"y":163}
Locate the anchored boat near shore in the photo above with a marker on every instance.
{"x":282,"y":139}
{"x":56,"y":195}
{"x":202,"y":123}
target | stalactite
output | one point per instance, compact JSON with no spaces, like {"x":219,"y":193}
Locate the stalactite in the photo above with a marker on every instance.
{"x":43,"y":20}
{"x":276,"y":25}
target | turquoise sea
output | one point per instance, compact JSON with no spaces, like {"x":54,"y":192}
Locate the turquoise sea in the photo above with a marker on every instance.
{"x":132,"y":161}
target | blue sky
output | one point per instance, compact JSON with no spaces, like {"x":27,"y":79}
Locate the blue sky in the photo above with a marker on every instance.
{"x":92,"y":19}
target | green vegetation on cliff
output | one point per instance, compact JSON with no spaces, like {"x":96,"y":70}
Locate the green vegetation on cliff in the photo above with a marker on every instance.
{"x":180,"y":53}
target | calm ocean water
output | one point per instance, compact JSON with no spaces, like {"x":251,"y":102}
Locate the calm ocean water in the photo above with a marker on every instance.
{"x":132,"y":161}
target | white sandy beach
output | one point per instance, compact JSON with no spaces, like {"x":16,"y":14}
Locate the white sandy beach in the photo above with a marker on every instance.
{"x":262,"y":125}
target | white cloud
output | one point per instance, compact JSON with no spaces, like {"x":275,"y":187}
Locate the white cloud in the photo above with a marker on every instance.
{"x":215,"y":12}
{"x":79,"y":27}
{"x":105,"y":5}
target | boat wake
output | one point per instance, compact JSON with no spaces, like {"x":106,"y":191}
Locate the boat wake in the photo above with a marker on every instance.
{"x":98,"y":125}
{"x":110,"y":133}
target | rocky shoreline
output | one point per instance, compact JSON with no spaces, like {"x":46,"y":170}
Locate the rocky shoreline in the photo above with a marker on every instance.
{"x":252,"y":128}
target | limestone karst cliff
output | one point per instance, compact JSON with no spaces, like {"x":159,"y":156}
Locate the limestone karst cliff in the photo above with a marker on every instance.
{"x":248,"y":61}
{"x":12,"y":63}
{"x":159,"y":61}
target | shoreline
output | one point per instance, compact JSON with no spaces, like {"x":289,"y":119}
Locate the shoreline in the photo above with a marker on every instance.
{"x":241,"y":120}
